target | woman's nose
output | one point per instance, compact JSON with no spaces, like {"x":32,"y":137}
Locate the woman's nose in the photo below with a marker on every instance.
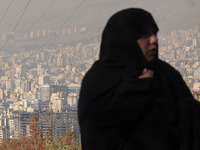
{"x":153,"y":39}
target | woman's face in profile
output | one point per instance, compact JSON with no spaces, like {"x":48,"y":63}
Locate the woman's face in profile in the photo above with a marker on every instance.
{"x":149,"y":45}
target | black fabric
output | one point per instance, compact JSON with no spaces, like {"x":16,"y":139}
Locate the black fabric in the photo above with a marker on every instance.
{"x":118,"y":111}
{"x":189,"y":124}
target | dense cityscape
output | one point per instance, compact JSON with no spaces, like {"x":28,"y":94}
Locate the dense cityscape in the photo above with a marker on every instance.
{"x":45,"y":81}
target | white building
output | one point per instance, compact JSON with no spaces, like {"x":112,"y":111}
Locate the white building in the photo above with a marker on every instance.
{"x":72,"y":99}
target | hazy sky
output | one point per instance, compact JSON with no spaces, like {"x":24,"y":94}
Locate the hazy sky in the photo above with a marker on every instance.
{"x":92,"y":13}
{"x":35,"y":9}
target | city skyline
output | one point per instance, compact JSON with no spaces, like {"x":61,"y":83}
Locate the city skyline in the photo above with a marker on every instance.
{"x":42,"y":66}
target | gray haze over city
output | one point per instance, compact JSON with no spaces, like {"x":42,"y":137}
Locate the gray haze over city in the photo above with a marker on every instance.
{"x":169,"y":14}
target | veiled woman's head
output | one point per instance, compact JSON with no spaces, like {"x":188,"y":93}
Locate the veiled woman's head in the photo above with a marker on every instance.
{"x":121,"y":38}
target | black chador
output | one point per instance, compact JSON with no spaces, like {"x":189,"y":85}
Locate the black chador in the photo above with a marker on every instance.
{"x":119,"y":111}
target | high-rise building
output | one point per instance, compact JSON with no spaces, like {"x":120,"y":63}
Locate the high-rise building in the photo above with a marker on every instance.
{"x":25,"y":36}
{"x":73,"y":88}
{"x":44,"y":33}
{"x":60,"y":60}
{"x":45,"y":96}
{"x":194,"y":42}
{"x":26,"y":86}
{"x":56,"y":123}
{"x":75,"y":29}
{"x":197,"y":28}
{"x":56,"y":102}
{"x":83,"y":29}
{"x":38,"y":33}
{"x":9,"y":84}
{"x":72,"y":99}
{"x":18,"y":69}
{"x":43,"y":80}
{"x":4,"y":129}
{"x":4,"y":37}
{"x":40,"y":70}
{"x":69,"y":31}
{"x":2,"y":133}
{"x":2,"y":96}
{"x":12,"y":127}
{"x":45,"y":92}
{"x":21,"y":120}
{"x":2,"y":108}
{"x":31,"y":35}
{"x":17,"y":83}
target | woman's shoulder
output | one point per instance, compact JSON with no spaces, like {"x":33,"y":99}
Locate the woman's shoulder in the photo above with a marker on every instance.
{"x":168,"y":68}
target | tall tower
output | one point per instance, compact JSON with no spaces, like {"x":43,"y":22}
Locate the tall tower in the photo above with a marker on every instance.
{"x":43,"y":80}
{"x":26,"y":86}
{"x":2,"y":94}
{"x":45,"y":96}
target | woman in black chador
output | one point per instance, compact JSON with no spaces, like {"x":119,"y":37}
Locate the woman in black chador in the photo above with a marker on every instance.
{"x":132,"y":100}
